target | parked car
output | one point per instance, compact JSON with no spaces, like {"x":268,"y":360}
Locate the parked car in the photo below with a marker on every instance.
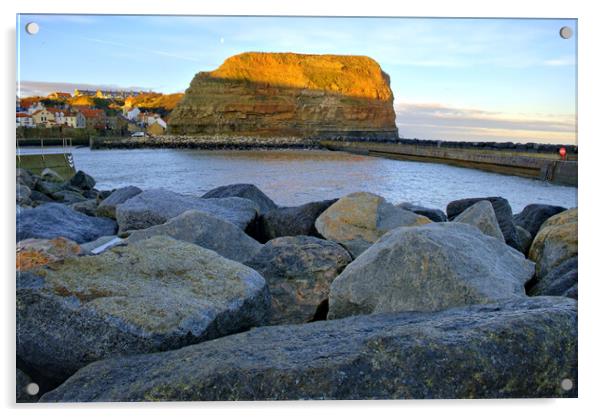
{"x":138,"y":134}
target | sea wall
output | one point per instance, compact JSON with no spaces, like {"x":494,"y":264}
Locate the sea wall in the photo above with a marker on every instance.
{"x":541,"y":162}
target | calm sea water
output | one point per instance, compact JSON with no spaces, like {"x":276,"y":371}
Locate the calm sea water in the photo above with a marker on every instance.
{"x":293,"y":177}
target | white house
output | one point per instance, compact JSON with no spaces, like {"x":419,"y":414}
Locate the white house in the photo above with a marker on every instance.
{"x":133,"y":113}
{"x":37,"y":106}
{"x":25,"y":120}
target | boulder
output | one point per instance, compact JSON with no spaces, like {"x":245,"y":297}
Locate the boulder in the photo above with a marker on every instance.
{"x":53,"y":220}
{"x":87,"y":207}
{"x":514,"y":349}
{"x":358,"y":220}
{"x":482,"y":216}
{"x":248,"y":191}
{"x":25,"y":177}
{"x":23,"y":194}
{"x":22,"y":383}
{"x":299,"y":271}
{"x":82,"y":181}
{"x":561,"y":280}
{"x":291,"y":221}
{"x":533,"y":216}
{"x":38,"y":197}
{"x":48,"y":174}
{"x":524,"y":239}
{"x":435,"y":215}
{"x":503,"y":213}
{"x":428,"y":268}
{"x":153,"y":207}
{"x":32,"y":253}
{"x":68,"y":197}
{"x":155,"y":295}
{"x":107,"y":206}
{"x":207,"y":231}
{"x":555,"y":242}
{"x":48,"y":187}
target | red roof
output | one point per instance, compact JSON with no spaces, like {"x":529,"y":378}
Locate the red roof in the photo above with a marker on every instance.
{"x":93,"y":113}
{"x":23,"y":115}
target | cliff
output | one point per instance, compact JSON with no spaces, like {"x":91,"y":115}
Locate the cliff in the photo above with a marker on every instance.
{"x":286,"y":94}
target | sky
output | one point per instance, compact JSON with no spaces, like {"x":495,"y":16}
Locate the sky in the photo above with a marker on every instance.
{"x":452,"y":79}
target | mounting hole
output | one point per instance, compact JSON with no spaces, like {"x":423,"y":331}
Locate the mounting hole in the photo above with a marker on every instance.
{"x":566,"y":384}
{"x":566,"y":32}
{"x":32,"y":28}
{"x":32,"y":388}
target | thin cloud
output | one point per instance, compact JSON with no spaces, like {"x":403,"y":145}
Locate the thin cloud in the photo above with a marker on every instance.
{"x":43,"y":88}
{"x":152,"y":51}
{"x":437,"y":121}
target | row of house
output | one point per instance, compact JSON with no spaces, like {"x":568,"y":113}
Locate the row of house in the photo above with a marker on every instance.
{"x":79,"y":117}
{"x":110,"y":94}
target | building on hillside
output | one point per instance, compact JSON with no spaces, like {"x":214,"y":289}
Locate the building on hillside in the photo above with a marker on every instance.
{"x":132,"y":114}
{"x":93,"y":118}
{"x":158,"y":127}
{"x":34,"y":107}
{"x":64,"y":117}
{"x":57,"y":95}
{"x":43,"y":118}
{"x":80,"y":120}
{"x":147,"y":119}
{"x":109,"y":94}
{"x":24,"y":120}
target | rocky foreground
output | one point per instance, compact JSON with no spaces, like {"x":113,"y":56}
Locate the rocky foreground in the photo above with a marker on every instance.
{"x":145,"y":295}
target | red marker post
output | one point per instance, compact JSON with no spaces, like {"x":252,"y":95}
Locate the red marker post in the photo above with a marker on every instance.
{"x":562,"y":152}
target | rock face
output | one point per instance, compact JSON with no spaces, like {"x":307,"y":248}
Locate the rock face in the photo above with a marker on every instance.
{"x":482,"y":216}
{"x":358,"y":220}
{"x":291,"y":221}
{"x":518,"y":349}
{"x":299,"y":271}
{"x":153,"y":207}
{"x":107,"y":207}
{"x":555,"y":242}
{"x":54,"y":220}
{"x":32,"y":253}
{"x":503,"y":213}
{"x":525,"y":239}
{"x":248,"y":191}
{"x":207,"y":231}
{"x":533,"y":216}
{"x":82,"y":180}
{"x":153,"y":295}
{"x":562,"y":280}
{"x":286,"y":94}
{"x":429,"y":268}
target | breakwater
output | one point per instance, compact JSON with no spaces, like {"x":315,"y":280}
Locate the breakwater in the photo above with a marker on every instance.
{"x":527,"y":160}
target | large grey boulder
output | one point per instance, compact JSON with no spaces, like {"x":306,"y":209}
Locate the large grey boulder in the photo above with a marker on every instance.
{"x":435,"y":215}
{"x":482,"y":216}
{"x":156,"y":206}
{"x":87,"y":207}
{"x":561,"y":280}
{"x":291,"y":221}
{"x":150,"y":296}
{"x":248,"y":191}
{"x":207,"y":231}
{"x":428,"y":268}
{"x":299,"y":271}
{"x":534,"y":215}
{"x":82,"y":181}
{"x":519,"y":349}
{"x":107,"y":206}
{"x":503,"y":213}
{"x":358,"y":220}
{"x":53,"y":220}
{"x":68,"y":197}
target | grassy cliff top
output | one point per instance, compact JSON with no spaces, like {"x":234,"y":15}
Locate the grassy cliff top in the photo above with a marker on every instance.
{"x":358,"y":76}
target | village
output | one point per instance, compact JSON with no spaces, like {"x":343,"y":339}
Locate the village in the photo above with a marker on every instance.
{"x":99,"y":111}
